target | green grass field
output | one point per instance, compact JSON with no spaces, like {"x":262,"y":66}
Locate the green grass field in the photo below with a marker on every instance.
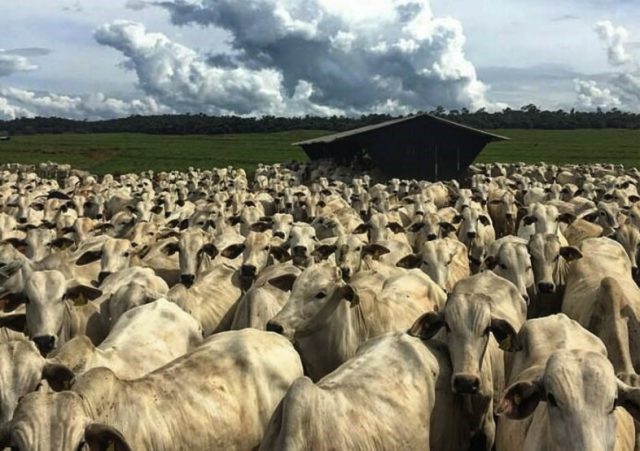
{"x":124,"y":152}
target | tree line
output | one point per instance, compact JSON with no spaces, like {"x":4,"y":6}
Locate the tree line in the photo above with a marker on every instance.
{"x":527,"y":117}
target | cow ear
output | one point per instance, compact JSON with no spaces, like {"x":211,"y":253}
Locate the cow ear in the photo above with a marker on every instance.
{"x":447,"y":227}
{"x":14,"y":322}
{"x":17,"y":243}
{"x":83,"y":293}
{"x":280,"y":253}
{"x":283,"y":282}
{"x":233,"y":220}
{"x":89,"y":257}
{"x":209,"y":249}
{"x":520,"y":400}
{"x":171,"y":248}
{"x":484,"y":220}
{"x":10,"y":269}
{"x":62,"y":242}
{"x":395,"y":227}
{"x":183,"y":224}
{"x":157,"y":209}
{"x":58,"y":376}
{"x":260,"y":227}
{"x":457,"y":219}
{"x":362,"y":228}
{"x":490,"y":262}
{"x":323,"y":252}
{"x":570,"y":253}
{"x":232,"y":251}
{"x":350,"y":294}
{"x":505,"y":335}
{"x":410,"y":261}
{"x":567,"y":218}
{"x":629,"y":399}
{"x":375,"y":250}
{"x":427,"y":325}
{"x":416,"y":227}
{"x":633,"y":198}
{"x":37,"y":207}
{"x":101,"y":437}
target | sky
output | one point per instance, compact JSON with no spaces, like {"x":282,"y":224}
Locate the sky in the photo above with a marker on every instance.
{"x":98,"y":59}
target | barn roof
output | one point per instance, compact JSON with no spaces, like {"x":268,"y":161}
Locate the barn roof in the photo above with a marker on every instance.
{"x":363,"y":130}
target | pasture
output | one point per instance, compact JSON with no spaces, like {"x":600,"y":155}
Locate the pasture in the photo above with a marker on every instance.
{"x":124,"y":152}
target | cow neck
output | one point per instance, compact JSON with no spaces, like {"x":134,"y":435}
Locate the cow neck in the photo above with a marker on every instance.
{"x":69,"y":326}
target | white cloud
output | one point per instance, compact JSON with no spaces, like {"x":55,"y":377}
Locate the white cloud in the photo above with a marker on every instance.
{"x":341,"y":51}
{"x":591,"y":96}
{"x":623,"y":91}
{"x":178,"y":76}
{"x":10,"y":63}
{"x":615,"y":39}
{"x":16,"y":103}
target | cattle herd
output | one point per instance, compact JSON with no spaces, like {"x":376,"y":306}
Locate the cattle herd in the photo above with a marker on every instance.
{"x":314,"y":307}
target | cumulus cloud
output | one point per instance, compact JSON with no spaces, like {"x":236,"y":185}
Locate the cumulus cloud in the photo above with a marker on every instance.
{"x":592,"y":96}
{"x":615,"y":39}
{"x":176,"y":75}
{"x":339,"y":57}
{"x":12,"y":62}
{"x":623,"y":90}
{"x":16,"y":103}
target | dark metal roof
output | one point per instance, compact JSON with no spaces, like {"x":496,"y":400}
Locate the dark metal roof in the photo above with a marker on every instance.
{"x":338,"y":136}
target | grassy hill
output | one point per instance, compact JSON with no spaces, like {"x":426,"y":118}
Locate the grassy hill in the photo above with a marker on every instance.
{"x":123,"y":152}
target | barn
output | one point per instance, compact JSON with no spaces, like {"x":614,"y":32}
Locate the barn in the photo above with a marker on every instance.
{"x":421,"y":147}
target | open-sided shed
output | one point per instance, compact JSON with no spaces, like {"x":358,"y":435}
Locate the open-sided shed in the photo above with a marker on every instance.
{"x":421,"y":147}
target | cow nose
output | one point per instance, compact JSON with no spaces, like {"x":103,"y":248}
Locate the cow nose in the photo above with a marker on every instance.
{"x":103,"y":275}
{"x":546,"y":287}
{"x":275,"y":327}
{"x":187,"y":279}
{"x":22,"y":220}
{"x":167,"y":214}
{"x":300,"y":250}
{"x":466,"y":384}
{"x":279,"y":235}
{"x":471,"y":235}
{"x":133,"y":244}
{"x":346,"y":273}
{"x":248,"y":270}
{"x":431,"y":236}
{"x":45,"y":343}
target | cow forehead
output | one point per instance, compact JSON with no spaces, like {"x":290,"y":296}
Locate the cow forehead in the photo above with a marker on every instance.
{"x":50,"y":417}
{"x":46,"y":285}
{"x":316,"y":277}
{"x":575,"y":375}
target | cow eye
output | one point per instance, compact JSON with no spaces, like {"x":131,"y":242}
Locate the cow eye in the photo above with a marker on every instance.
{"x":602,"y":213}
{"x":552,"y":400}
{"x":425,"y":263}
{"x":321,"y":295}
{"x":126,"y":254}
{"x":503,"y":266}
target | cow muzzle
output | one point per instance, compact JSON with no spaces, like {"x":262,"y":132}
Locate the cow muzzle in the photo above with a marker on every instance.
{"x":248,"y":270}
{"x":546,"y":287}
{"x":465,"y":384}
{"x":187,"y":279}
{"x":277,"y":328}
{"x":45,"y":343}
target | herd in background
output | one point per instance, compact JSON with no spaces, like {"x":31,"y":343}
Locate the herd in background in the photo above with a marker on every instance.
{"x":311,"y":307}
